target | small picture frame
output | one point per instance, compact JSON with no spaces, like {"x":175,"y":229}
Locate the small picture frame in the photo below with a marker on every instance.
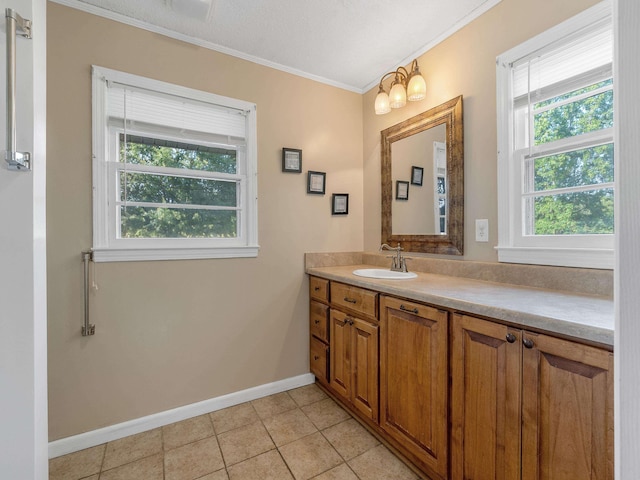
{"x":291,"y":160}
{"x":316,"y":182}
{"x":416,"y":175}
{"x":340,"y":204}
{"x":402,"y":190}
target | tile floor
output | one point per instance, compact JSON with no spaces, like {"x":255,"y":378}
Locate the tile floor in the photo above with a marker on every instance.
{"x":300,"y":434}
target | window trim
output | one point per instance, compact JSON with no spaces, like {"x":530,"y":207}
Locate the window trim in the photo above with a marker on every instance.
{"x":590,"y":251}
{"x":106,"y":248}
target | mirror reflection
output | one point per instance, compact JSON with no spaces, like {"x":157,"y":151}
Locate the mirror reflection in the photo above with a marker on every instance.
{"x":419,"y":206}
{"x":423,"y":181}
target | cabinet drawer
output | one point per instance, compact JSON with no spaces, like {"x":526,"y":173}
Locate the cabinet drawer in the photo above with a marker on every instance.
{"x":319,"y":289}
{"x":319,"y":320}
{"x":319,"y":360}
{"x":355,"y":298}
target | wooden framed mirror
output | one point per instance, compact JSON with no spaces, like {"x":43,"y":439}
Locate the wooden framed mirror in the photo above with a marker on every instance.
{"x":428,"y":152}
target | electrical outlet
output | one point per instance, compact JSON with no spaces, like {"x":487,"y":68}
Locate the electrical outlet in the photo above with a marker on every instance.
{"x":482,"y":230}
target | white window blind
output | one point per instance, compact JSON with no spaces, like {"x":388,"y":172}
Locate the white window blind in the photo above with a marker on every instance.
{"x":140,"y":106}
{"x":588,"y":50}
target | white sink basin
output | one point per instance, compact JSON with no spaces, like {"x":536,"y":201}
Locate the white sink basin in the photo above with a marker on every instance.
{"x":384,"y":274}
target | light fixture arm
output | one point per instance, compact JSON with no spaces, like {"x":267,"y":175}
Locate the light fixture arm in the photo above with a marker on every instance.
{"x":397,"y":73}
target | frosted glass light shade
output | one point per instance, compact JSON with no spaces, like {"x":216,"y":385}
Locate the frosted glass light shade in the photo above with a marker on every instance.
{"x":397,"y":96}
{"x":382,"y":103}
{"x":417,"y":88}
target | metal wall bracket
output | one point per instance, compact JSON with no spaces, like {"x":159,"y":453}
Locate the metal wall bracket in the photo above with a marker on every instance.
{"x":15,"y":160}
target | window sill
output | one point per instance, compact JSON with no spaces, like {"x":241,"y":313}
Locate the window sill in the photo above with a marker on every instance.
{"x":599,"y":258}
{"x":153,"y":254}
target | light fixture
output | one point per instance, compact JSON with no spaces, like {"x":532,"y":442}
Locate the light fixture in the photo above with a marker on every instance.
{"x":405,"y":86}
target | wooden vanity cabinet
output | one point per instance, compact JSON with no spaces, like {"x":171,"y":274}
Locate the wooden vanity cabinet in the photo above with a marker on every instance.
{"x":354,"y":361}
{"x":319,"y":329}
{"x":528,"y":406}
{"x":414,"y":380}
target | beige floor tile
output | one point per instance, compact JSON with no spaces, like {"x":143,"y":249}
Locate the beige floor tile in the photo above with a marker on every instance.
{"x":149,"y":468}
{"x":135,"y":447}
{"x":92,"y":477}
{"x":267,"y":466}
{"x":380,"y":464}
{"x":310,"y":456}
{"x":289,"y":426}
{"x":234,"y":417}
{"x":77,"y":465}
{"x":193,"y":460}
{"x":325,"y":413}
{"x":341,"y":472}
{"x":350,"y":438}
{"x":307,"y":394}
{"x":186,"y":431}
{"x":273,"y":404}
{"x":244,"y":442}
{"x":219,"y":475}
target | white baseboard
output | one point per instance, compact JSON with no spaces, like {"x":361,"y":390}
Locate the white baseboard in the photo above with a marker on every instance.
{"x":138,"y":425}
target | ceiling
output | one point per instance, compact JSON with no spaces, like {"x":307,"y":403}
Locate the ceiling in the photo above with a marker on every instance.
{"x":346,"y":43}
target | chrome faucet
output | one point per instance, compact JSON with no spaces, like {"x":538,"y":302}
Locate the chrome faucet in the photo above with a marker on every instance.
{"x":398,"y":262}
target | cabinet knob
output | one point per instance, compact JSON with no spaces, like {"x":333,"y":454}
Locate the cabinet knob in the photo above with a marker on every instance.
{"x":316,"y":321}
{"x":511,"y":337}
{"x":527,"y":342}
{"x":315,"y":289}
{"x":316,"y":357}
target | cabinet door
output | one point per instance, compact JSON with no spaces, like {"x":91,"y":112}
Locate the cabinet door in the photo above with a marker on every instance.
{"x":485,"y":400}
{"x":364,"y":366}
{"x":567,"y":429}
{"x":413,"y":380}
{"x":339,"y":350}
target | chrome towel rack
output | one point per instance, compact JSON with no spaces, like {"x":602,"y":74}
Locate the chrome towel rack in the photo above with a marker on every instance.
{"x":15,"y":160}
{"x":87,"y":328}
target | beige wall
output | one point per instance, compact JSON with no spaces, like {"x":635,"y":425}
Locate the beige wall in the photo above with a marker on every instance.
{"x":174,"y":333}
{"x":177,"y":332}
{"x":464,"y":64}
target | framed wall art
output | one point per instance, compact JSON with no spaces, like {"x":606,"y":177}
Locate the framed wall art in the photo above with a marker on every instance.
{"x":416,"y":175}
{"x":402,"y":190}
{"x":316,"y":182}
{"x":340,"y":204}
{"x":291,"y":160}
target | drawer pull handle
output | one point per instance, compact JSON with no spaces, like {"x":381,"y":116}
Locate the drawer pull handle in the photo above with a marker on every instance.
{"x":511,"y":337}
{"x":528,"y":343}
{"x":316,"y":289}
{"x":316,"y":357}
{"x":350,"y":300}
{"x":410,"y":310}
{"x":316,"y":321}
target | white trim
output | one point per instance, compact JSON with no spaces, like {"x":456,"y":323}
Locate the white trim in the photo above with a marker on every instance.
{"x":106,"y":245}
{"x":588,"y":16}
{"x":599,"y":258}
{"x":589,"y":251}
{"x":117,"y":17}
{"x":142,"y":424}
{"x":150,"y":254}
{"x":463,"y":22}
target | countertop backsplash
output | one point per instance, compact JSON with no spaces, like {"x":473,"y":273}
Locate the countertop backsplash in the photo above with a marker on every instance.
{"x":575,"y":280}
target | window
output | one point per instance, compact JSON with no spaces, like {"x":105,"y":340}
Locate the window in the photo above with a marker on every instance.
{"x":174,"y":171}
{"x":556,"y":145}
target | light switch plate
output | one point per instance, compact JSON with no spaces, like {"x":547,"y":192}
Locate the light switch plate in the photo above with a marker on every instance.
{"x":482,"y":230}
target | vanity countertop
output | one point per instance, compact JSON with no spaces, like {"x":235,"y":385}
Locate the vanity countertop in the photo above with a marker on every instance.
{"x":585,"y":317}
